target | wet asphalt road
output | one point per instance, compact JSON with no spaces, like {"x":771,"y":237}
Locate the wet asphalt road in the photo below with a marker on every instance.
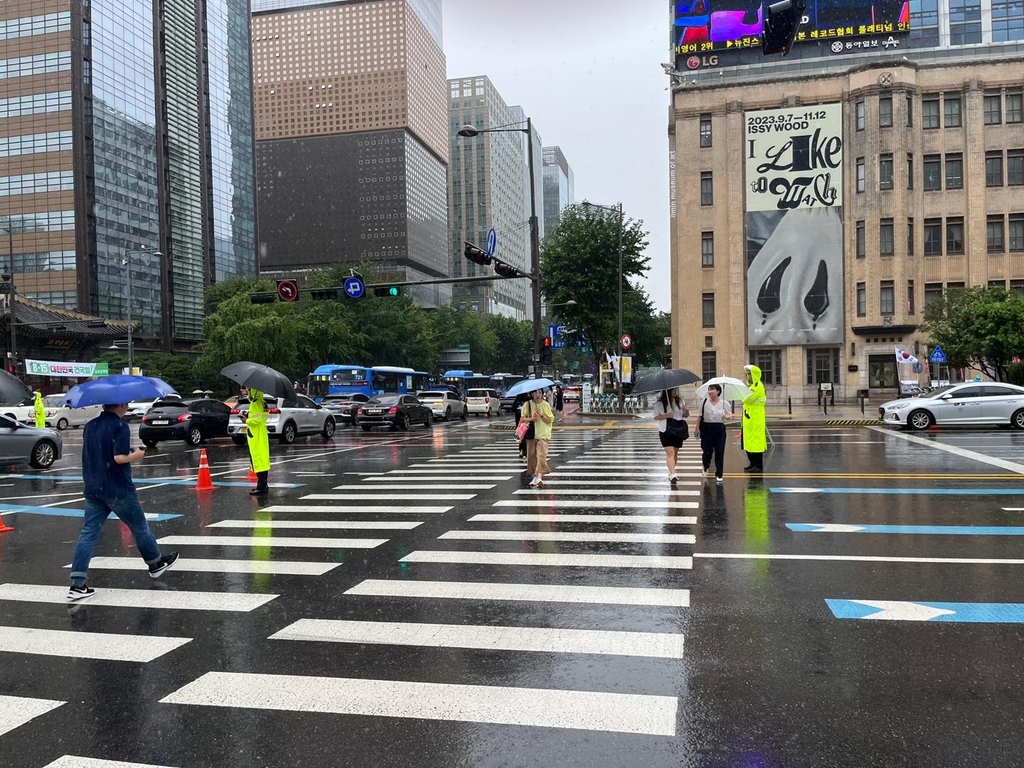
{"x":737,"y":661}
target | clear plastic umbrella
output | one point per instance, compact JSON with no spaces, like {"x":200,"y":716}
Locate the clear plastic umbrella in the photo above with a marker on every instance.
{"x":732,"y":389}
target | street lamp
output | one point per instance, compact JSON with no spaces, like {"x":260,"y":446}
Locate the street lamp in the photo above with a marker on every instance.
{"x":127,"y":262}
{"x":618,"y":341}
{"x":469,"y":132}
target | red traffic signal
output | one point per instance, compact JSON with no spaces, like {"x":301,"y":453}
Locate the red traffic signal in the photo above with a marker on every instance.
{"x":287,"y":290}
{"x":547,"y":342}
{"x":477,"y":256}
{"x":506,"y":270}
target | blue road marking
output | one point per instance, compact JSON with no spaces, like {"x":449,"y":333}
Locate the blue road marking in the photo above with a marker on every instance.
{"x":155,"y":481}
{"x":24,"y":509}
{"x":892,"y":610}
{"x":939,"y":530}
{"x":909,"y":491}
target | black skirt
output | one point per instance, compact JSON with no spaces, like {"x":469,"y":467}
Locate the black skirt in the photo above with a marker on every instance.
{"x":668,"y":441}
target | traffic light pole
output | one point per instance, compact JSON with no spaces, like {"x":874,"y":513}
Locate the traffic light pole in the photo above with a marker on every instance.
{"x":534,"y":254}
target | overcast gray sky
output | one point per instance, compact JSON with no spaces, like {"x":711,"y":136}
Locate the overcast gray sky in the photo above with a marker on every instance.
{"x":588,"y":73}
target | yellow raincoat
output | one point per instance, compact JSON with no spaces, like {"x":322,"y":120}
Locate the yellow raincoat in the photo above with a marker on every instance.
{"x":755,"y":430}
{"x":256,"y":431}
{"x":40,"y":411}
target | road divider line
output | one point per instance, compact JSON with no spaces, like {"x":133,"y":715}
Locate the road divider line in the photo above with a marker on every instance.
{"x":546,"y":559}
{"x":87,"y":645}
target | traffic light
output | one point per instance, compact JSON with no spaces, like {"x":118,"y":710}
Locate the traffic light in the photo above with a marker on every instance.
{"x":262,"y":298}
{"x":506,"y":270}
{"x":324,"y":294}
{"x":388,"y":290}
{"x":781,"y":22}
{"x":477,"y":256}
{"x":545,"y":351}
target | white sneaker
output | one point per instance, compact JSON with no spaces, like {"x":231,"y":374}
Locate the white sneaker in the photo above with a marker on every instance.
{"x":703,"y":473}
{"x":535,"y":482}
{"x":718,"y":480}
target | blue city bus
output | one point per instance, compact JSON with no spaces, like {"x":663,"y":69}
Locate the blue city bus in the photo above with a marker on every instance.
{"x":501,"y":382}
{"x":466,"y":380}
{"x":388,"y":380}
{"x":358,"y":379}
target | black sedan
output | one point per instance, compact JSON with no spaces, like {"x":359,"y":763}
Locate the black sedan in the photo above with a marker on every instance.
{"x":343,"y":407}
{"x":190,"y":420}
{"x":394,"y":411}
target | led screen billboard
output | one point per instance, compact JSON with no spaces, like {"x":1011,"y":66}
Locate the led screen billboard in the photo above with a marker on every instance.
{"x":715,"y":25}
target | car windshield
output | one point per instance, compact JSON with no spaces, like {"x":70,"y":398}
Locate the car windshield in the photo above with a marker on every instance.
{"x":937,"y":392}
{"x":431,"y":395}
{"x":477,"y":393}
{"x":385,"y":400}
{"x":170,"y":402}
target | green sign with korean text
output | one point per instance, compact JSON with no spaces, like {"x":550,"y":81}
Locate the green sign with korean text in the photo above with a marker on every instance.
{"x":70,"y":370}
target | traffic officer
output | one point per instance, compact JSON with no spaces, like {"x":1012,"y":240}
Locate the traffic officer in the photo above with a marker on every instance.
{"x":259,"y":441}
{"x":40,"y":411}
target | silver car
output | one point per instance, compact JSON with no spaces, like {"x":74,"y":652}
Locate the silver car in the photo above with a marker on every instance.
{"x":969,"y":403}
{"x":20,"y":444}
{"x":286,"y":420}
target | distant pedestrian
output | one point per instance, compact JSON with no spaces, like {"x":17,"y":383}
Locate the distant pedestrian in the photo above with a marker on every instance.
{"x":517,"y":410}
{"x":755,"y":430}
{"x":671,"y":413}
{"x":559,"y":400}
{"x":539,"y":412}
{"x":259,"y":441}
{"x":714,"y":413}
{"x":106,"y":466}
{"x":39,"y":410}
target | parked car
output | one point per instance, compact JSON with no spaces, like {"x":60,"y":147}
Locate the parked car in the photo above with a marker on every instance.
{"x":444,"y":403}
{"x":395,"y":411}
{"x":137,"y":408}
{"x":969,"y":403}
{"x":484,"y":402}
{"x":343,"y":407}
{"x":286,"y":420}
{"x":20,"y":444}
{"x":572,"y":394}
{"x":64,"y":416}
{"x":190,"y":420}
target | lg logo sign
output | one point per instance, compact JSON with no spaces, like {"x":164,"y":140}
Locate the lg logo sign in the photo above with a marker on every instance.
{"x":696,"y":62}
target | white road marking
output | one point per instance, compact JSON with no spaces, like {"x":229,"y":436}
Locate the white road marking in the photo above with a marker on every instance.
{"x":863,"y":558}
{"x":625,"y":538}
{"x":597,"y":519}
{"x":547,"y":559}
{"x":545,"y":593}
{"x":955,"y":450}
{"x":661,"y":645}
{"x":661,"y":482}
{"x":87,"y":645}
{"x":74,"y":761}
{"x":429,"y":476}
{"x":562,"y":490}
{"x":270,"y":541}
{"x":586,"y":504}
{"x":275,"y":567}
{"x":18,"y":710}
{"x":661,"y":475}
{"x":389,"y":496}
{"x":321,"y":525}
{"x":237,"y":602}
{"x":350,"y":509}
{"x":545,"y":708}
{"x":415,"y":487}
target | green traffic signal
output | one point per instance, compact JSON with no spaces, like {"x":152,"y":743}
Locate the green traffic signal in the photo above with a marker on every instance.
{"x":390,"y":291}
{"x":394,"y":290}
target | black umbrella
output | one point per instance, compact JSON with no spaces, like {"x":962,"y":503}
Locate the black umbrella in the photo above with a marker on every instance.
{"x":12,"y":389}
{"x":260,"y":377}
{"x":667,"y":379}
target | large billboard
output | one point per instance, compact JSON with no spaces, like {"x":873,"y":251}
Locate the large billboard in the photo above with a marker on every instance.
{"x":715,"y":25}
{"x":794,"y":225}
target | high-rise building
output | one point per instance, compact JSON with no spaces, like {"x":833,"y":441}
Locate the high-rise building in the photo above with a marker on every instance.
{"x":820,"y":202}
{"x":559,"y":187}
{"x":351,"y":129}
{"x":107,"y":150}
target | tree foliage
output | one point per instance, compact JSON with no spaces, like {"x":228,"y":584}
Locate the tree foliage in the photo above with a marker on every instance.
{"x":978,"y":328}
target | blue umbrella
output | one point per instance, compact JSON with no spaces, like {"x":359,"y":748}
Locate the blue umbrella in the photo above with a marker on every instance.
{"x":112,"y":390}
{"x":528,"y":385}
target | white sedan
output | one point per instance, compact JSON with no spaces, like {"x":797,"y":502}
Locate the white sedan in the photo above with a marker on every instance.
{"x":58,"y":415}
{"x":987,"y":402}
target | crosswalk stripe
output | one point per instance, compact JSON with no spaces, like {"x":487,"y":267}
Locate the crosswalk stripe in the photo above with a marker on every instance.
{"x":544,"y":593}
{"x":415,"y":487}
{"x":351,"y":509}
{"x":431,"y":475}
{"x":662,"y":475}
{"x":195,"y":565}
{"x":596,"y":519}
{"x":622,"y":465}
{"x":87,"y":645}
{"x":389,"y":496}
{"x":546,"y":708}
{"x":660,"y":482}
{"x":662,"y":645}
{"x":15,"y":711}
{"x":587,"y":504}
{"x":322,"y":525}
{"x":563,"y":490}
{"x":471,"y":467}
{"x":625,"y":538}
{"x":239,"y":602}
{"x":547,"y":559}
{"x":74,"y":761}
{"x":271,"y":541}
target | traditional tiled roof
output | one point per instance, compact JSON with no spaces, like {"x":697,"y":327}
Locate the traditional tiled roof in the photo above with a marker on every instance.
{"x":42,"y":320}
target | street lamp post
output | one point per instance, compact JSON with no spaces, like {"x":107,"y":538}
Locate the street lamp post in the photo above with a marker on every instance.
{"x":470,"y":131}
{"x":618,"y":341}
{"x":127,"y":263}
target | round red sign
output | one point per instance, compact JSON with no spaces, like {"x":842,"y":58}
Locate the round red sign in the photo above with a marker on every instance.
{"x":693,"y":62}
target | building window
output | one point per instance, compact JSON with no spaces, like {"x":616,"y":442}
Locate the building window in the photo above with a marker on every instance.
{"x":930,"y":112}
{"x":860,"y":174}
{"x":951,"y":110}
{"x":910,"y":236}
{"x":887,"y":298}
{"x":707,"y":189}
{"x":933,"y":237}
{"x":994,"y":234}
{"x":1017,"y":288}
{"x":910,"y":297}
{"x":932,"y":292}
{"x":708,"y":310}
{"x":996,"y":284}
{"x":862,"y":300}
{"x":859,"y":111}
{"x":705,"y":131}
{"x":885,"y":112}
{"x":993,"y":109}
{"x":708,"y":365}
{"x":910,"y":111}
{"x":770,"y":363}
{"x":822,"y":366}
{"x":1014,"y":167}
{"x":964,"y":22}
{"x":886,"y":238}
{"x":994,"y":169}
{"x":1015,"y":107}
{"x":910,"y":170}
{"x":932,"y":173}
{"x":709,"y":342}
{"x":954,"y":235}
{"x":861,"y":241}
{"x":707,"y":249}
{"x":1016,"y":231}
{"x":885,"y":172}
{"x":954,"y":171}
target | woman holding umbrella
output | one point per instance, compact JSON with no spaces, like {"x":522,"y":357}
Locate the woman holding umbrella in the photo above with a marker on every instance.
{"x":539,"y":412}
{"x":714,"y":413}
{"x":669,"y":411}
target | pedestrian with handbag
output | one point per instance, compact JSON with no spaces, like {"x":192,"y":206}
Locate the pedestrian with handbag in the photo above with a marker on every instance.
{"x":539,"y":414}
{"x":671,"y":413}
{"x":517,"y":409}
{"x":714,"y":413}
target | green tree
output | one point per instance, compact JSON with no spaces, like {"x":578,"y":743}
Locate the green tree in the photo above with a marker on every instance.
{"x":453,"y":327}
{"x":514,"y":344}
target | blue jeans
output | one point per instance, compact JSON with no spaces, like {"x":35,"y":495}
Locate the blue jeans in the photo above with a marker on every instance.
{"x":128,"y":509}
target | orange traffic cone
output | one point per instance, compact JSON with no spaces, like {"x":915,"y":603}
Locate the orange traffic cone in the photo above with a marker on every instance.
{"x":204,"y":482}
{"x":4,"y":528}
{"x":252,"y":476}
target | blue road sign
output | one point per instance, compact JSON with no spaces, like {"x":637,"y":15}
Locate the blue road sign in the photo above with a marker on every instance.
{"x":492,"y":242}
{"x":555,"y":334}
{"x":354,"y":288}
{"x":932,"y":530}
{"x":937,"y":356}
{"x":899,"y":610}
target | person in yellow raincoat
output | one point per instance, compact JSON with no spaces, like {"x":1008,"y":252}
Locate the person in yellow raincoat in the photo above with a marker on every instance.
{"x":259,"y":441}
{"x":755,"y":430}
{"x":40,"y":411}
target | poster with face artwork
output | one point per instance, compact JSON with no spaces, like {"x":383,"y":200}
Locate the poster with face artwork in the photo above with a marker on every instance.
{"x":794,"y":225}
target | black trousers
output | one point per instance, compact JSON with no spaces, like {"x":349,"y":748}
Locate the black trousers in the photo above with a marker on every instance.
{"x":261,"y":481}
{"x":712,"y":442}
{"x":756,"y":460}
